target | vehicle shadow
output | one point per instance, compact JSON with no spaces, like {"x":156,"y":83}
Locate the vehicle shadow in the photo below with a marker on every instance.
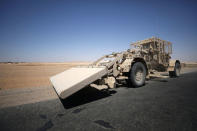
{"x":125,"y":83}
{"x":158,"y":79}
{"x":90,"y":94}
{"x":84,"y":96}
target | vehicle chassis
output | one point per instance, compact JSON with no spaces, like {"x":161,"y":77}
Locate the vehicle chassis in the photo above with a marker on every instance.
{"x":153,"y":53}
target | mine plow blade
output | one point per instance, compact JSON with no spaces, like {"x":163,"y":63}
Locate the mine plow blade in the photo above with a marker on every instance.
{"x":72,"y":80}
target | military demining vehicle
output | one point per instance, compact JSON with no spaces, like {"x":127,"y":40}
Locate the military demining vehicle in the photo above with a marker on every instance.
{"x":144,"y":58}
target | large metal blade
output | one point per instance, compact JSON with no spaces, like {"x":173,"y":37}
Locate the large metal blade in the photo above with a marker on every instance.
{"x":74,"y":79}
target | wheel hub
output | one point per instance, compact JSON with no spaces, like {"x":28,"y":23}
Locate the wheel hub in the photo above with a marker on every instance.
{"x":139,"y":75}
{"x":178,"y":71}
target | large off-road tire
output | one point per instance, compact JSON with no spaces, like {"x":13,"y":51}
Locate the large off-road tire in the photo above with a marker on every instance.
{"x":138,"y":74}
{"x":176,"y":72}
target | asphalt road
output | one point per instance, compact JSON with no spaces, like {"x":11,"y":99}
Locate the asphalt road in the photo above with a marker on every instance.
{"x":161,"y":105}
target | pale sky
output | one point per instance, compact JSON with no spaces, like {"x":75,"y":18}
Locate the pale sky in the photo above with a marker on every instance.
{"x":76,"y":30}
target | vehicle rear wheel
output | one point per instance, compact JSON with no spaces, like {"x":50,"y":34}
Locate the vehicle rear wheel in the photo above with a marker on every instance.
{"x":176,"y":72}
{"x":138,"y":74}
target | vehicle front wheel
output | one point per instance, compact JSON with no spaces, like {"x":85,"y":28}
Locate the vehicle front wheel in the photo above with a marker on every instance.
{"x":138,"y":74}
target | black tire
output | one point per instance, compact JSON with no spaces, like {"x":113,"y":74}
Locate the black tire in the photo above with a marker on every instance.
{"x":138,"y":74}
{"x":171,"y":73}
{"x":176,"y":72}
{"x":177,"y":69}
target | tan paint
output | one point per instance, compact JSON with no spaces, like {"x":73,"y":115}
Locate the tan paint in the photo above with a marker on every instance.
{"x":74,"y":79}
{"x":171,"y":65}
{"x":153,"y":51}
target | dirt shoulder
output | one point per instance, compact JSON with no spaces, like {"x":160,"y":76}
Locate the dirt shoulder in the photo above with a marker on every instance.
{"x":188,"y":69}
{"x":25,"y":75}
{"x":28,"y":75}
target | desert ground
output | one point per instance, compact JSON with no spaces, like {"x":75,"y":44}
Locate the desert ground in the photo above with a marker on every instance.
{"x":25,"y":75}
{"x":28,"y":75}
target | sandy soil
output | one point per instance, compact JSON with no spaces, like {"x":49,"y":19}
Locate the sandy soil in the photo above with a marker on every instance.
{"x":20,"y":75}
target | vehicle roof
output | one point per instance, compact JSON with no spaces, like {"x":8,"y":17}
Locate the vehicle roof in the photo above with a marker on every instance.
{"x":149,"y":40}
